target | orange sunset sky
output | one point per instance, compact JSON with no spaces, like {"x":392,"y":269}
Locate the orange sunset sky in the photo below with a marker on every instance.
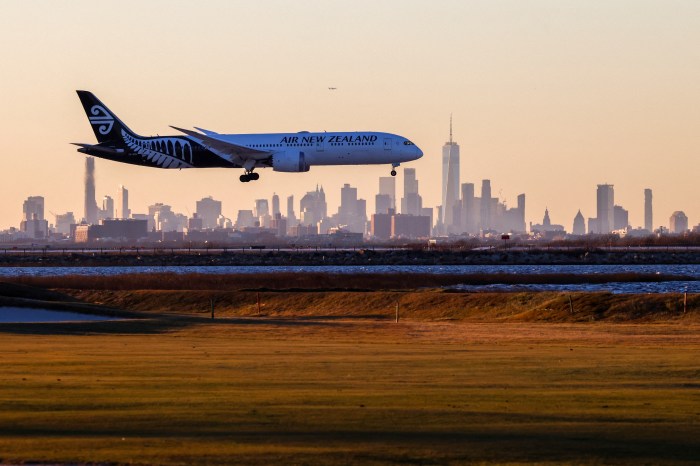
{"x":549,"y":98}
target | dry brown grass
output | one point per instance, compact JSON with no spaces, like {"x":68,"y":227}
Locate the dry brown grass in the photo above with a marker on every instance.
{"x":263,"y":391}
{"x":414,"y":305}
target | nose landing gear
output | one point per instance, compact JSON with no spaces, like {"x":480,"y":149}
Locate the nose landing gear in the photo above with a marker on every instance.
{"x":393,"y":168}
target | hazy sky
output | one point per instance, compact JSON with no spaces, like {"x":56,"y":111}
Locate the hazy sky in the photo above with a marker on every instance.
{"x":549,"y":98}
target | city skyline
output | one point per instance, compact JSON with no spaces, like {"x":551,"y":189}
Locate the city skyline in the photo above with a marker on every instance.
{"x":553,"y":100}
{"x":472,"y":215}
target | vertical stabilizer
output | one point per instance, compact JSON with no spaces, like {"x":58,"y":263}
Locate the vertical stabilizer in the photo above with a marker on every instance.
{"x":106,"y":125}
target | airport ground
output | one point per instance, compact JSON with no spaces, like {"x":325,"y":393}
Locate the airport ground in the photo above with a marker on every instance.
{"x":333,"y":379}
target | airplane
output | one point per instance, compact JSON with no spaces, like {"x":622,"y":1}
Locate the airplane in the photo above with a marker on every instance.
{"x":283,"y":152}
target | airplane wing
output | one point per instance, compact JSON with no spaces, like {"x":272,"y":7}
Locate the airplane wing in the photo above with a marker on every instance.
{"x":234,"y":152}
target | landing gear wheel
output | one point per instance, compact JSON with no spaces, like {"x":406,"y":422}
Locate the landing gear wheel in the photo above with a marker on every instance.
{"x":393,"y":172}
{"x":244,"y":178}
{"x":254,"y":176}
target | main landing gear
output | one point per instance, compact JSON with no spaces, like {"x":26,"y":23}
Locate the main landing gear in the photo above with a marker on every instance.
{"x":249,"y":176}
{"x":393,"y":168}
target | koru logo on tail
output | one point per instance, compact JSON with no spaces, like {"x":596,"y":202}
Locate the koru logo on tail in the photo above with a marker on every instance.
{"x":102,"y":118}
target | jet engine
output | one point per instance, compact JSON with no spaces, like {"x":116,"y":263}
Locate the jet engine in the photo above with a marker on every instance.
{"x":289,"y":161}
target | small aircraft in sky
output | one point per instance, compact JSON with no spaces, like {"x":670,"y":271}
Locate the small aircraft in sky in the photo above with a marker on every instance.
{"x":283,"y":152}
{"x":332,"y":88}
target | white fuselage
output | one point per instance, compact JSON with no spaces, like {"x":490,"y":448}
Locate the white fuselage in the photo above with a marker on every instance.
{"x":333,"y":148}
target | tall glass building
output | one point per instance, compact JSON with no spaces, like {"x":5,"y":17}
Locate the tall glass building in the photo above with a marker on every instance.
{"x":450,"y":182}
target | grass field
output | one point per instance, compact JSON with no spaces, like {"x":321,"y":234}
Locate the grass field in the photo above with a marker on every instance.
{"x":326,"y":377}
{"x":340,"y":390}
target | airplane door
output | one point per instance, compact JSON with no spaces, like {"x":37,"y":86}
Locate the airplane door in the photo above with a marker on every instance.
{"x":387,"y":143}
{"x":319,"y":144}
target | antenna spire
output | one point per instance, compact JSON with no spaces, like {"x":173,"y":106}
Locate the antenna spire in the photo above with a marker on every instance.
{"x":450,"y":128}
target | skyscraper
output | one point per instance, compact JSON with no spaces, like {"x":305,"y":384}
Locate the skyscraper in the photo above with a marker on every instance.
{"x":313,"y":207}
{"x":521,"y":213}
{"x":605,"y":202}
{"x":33,"y":208}
{"x":468,"y":208}
{"x":291,"y":216}
{"x":648,"y":213}
{"x":123,"y":202}
{"x":411,"y":203}
{"x":382,"y":203}
{"x":90,"y":202}
{"x":107,"y":207}
{"x":33,"y":222}
{"x":262,"y":208}
{"x":387,"y":186}
{"x":450,"y":181}
{"x":620,"y":218}
{"x":352,"y":212}
{"x":209,"y":210}
{"x":485,"y":211}
{"x":275,"y":205}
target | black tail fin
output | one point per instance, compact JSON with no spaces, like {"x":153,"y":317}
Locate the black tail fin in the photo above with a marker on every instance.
{"x":106,"y":125}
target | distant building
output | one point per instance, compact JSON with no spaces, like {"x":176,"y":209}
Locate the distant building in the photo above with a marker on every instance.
{"x":261,"y":207}
{"x":64,"y":222}
{"x":245,"y":219}
{"x":300,"y":231}
{"x":33,"y":223}
{"x":208,"y":210}
{"x":620,"y":218}
{"x":121,"y":230}
{"x":605,"y":202}
{"x":291,"y":216}
{"x":33,"y":208}
{"x":312,"y":207}
{"x":194,"y":223}
{"x":678,"y":222}
{"x":410,"y":226}
{"x":579,"y":224}
{"x":382,"y":204}
{"x":91,"y":213}
{"x":485,"y":206}
{"x":450,"y":183}
{"x":468,"y":215}
{"x":352,"y":213}
{"x":162,"y":218}
{"x":262,"y":212}
{"x":275,"y":205}
{"x":411,"y":203}
{"x":593,"y":228}
{"x":107,"y":210}
{"x":387,"y":187}
{"x":546,"y":226}
{"x":123,"y":203}
{"x":648,"y":212}
{"x":380,"y":225}
{"x":279,"y":225}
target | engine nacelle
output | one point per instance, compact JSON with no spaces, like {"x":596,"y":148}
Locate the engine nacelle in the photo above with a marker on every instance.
{"x":290,"y":161}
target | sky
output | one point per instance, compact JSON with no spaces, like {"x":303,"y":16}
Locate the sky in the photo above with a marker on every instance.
{"x":549,"y":98}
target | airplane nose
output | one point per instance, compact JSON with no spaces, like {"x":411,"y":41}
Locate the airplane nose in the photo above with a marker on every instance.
{"x":417,"y":153}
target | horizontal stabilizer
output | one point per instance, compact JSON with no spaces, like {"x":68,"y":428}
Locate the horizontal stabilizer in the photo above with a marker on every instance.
{"x":96,"y":148}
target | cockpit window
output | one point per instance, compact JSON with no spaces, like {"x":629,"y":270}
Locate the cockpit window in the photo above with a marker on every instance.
{"x":407,"y":143}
